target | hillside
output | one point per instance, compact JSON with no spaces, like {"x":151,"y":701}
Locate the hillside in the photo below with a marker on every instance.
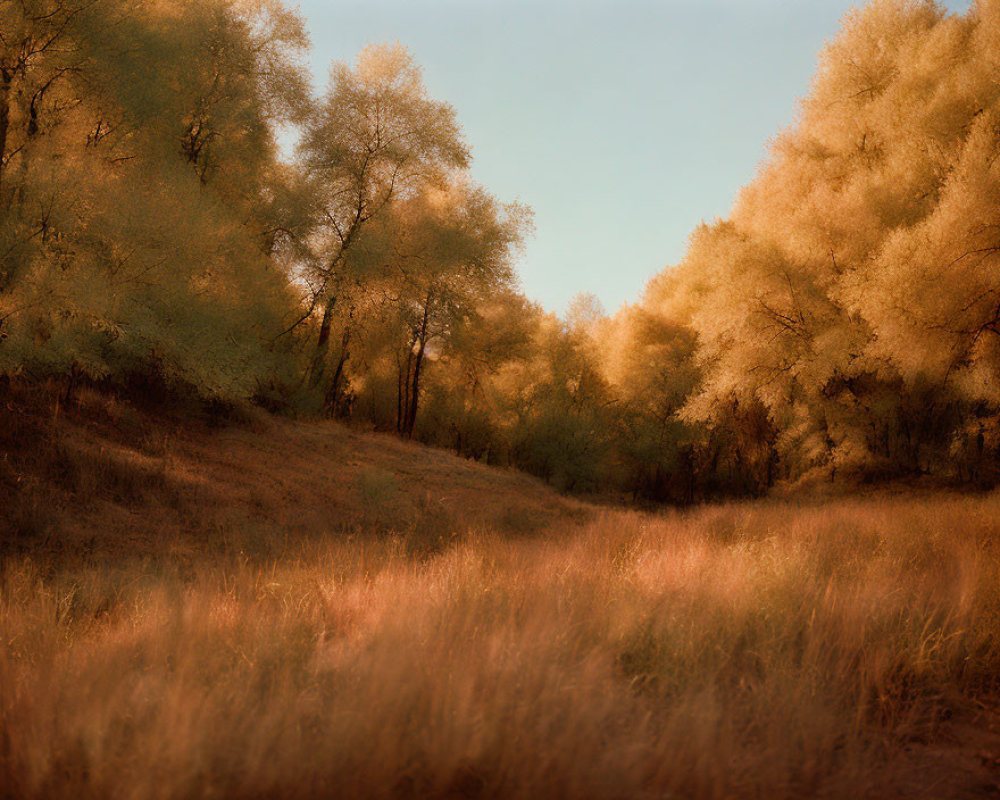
{"x":101,"y":476}
{"x":263,"y":607}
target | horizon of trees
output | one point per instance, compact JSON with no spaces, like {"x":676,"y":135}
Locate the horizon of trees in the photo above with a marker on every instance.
{"x":844,"y":320}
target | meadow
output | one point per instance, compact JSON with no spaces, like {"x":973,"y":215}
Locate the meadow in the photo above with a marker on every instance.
{"x":422,"y":643}
{"x":246,"y":317}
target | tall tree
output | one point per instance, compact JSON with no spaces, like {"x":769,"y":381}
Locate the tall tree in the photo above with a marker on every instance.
{"x":377,"y":137}
{"x":454,"y":257}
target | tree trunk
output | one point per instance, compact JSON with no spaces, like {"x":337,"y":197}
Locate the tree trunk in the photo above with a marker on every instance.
{"x":332,"y":399}
{"x":5,"y":81}
{"x":318,"y":365}
{"x":411,"y":412}
{"x":403,"y":401}
{"x":418,"y":360}
{"x":399,"y":393}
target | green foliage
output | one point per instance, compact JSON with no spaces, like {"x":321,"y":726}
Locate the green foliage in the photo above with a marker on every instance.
{"x":133,"y":191}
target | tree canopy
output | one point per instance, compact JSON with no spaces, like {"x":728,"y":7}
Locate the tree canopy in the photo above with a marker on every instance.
{"x":844,"y":319}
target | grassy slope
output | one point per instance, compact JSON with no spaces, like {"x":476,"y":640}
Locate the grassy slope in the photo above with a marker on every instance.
{"x":103,"y":476}
{"x":300,"y":610}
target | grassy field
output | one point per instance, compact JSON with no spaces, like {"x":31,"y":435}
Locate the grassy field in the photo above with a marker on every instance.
{"x":291,"y":610}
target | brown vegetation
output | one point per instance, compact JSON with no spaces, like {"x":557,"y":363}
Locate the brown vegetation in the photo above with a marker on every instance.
{"x":276,"y":608}
{"x":300,"y":610}
{"x":101,"y":477}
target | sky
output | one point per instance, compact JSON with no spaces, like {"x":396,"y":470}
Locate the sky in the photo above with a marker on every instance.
{"x":623,"y":124}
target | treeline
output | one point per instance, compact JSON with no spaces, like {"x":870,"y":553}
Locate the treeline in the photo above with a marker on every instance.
{"x":153,"y":232}
{"x":845,"y":319}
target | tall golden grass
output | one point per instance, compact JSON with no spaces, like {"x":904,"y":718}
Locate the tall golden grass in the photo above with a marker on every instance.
{"x":746,"y":650}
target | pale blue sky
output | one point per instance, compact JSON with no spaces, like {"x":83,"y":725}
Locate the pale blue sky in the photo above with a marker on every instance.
{"x":623,"y":124}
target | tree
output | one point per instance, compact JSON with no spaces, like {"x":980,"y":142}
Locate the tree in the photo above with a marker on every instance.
{"x":141,"y":150}
{"x":377,"y":137}
{"x":774,"y":326}
{"x":445,"y":253}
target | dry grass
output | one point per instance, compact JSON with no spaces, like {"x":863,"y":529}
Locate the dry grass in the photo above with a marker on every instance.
{"x":431,"y":628}
{"x":758,"y":651}
{"x":102,"y":479}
